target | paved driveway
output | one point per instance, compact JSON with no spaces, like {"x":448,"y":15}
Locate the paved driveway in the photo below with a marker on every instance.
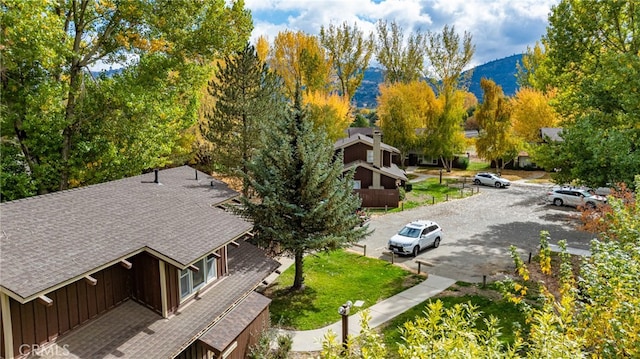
{"x":478,"y":231}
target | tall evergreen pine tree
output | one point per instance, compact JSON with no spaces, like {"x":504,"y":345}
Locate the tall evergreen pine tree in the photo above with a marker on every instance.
{"x":246,"y":99}
{"x":305,"y":202}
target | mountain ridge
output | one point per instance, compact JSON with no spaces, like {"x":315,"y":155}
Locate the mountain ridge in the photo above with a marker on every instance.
{"x":501,"y":71}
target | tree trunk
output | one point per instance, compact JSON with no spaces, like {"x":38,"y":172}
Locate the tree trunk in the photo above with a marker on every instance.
{"x":298,"y":281}
{"x":448,"y":164}
{"x":67,"y":133}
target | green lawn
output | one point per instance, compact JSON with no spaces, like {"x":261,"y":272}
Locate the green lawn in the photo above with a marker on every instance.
{"x":479,"y":166}
{"x":510,"y":318}
{"x":424,"y":192}
{"x":330,"y":280}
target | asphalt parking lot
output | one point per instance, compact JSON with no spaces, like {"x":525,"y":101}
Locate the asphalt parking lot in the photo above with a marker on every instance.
{"x":478,"y":231}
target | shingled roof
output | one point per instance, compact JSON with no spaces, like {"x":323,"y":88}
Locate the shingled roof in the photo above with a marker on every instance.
{"x":392,"y":171}
{"x":358,"y":137}
{"x":131,"y":330}
{"x":49,"y":240}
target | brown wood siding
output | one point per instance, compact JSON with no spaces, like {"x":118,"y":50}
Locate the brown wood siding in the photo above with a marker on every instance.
{"x":1,"y":337}
{"x":249,"y":336}
{"x":173,"y":289}
{"x":194,"y":351}
{"x":387,"y":182}
{"x":386,"y":158}
{"x":146,"y":281}
{"x":16,"y":325}
{"x":365,"y":176}
{"x":73,"y":305}
{"x":379,"y":198}
{"x":356,"y":152}
{"x":222,"y":262}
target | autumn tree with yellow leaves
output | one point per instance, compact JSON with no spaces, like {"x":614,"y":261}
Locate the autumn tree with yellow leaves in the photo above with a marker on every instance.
{"x":531,"y":110}
{"x":329,"y":112}
{"x":301,"y":61}
{"x":405,"y":110}
{"x":496,"y":141}
{"x":307,"y":68}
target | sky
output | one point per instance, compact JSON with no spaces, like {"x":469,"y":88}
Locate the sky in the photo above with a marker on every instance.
{"x":499,"y":28}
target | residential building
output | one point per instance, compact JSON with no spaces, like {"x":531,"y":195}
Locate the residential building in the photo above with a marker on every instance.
{"x":377,"y":177}
{"x":150,"y":266}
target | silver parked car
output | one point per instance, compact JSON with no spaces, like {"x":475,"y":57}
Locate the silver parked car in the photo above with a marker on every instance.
{"x":575,"y":197}
{"x":416,"y":236}
{"x":491,"y":179}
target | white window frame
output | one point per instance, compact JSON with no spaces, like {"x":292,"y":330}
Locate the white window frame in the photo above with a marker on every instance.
{"x":211,"y":263}
{"x":184,"y":273}
{"x":209,"y":273}
{"x":357,"y":184}
{"x":369,"y":156}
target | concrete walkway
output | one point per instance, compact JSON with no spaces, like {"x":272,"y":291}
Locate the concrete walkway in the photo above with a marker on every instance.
{"x":570,"y":250}
{"x":311,"y":340}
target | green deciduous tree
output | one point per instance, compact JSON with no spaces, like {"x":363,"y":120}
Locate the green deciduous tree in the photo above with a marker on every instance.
{"x":350,"y":52}
{"x":530,"y":73}
{"x":448,"y":55}
{"x":51,"y":104}
{"x":592,"y":59}
{"x":305,"y":202}
{"x":610,"y":287}
{"x":496,"y":141}
{"x":444,"y":138}
{"x":452,"y":333}
{"x":403,"y":62}
{"x":246,"y":98}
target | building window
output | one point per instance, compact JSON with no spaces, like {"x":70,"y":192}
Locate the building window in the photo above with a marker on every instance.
{"x":185,"y":283}
{"x":427,"y":160}
{"x":370,"y":156}
{"x":357,"y":184}
{"x":191,"y":281}
{"x":212,"y":269}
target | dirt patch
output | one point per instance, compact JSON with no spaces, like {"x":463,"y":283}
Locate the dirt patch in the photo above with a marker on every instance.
{"x":460,"y":290}
{"x":540,"y":177}
{"x":552,"y":281}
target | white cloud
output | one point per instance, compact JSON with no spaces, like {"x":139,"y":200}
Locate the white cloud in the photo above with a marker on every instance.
{"x":499,"y":28}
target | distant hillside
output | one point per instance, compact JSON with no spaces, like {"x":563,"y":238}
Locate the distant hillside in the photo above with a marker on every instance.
{"x":501,"y":71}
{"x":365,"y":96}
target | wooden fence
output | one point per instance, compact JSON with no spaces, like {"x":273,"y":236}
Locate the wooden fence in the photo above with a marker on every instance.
{"x":379,"y":198}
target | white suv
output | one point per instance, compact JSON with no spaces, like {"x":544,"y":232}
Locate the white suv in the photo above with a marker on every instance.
{"x":416,"y":236}
{"x":576,"y":197}
{"x":491,"y":179}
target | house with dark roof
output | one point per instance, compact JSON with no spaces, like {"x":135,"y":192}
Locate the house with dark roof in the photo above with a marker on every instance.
{"x":377,"y":177}
{"x":150,"y":266}
{"x":551,"y":134}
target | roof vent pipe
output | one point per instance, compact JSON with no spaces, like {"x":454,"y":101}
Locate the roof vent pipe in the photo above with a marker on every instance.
{"x":155,"y":172}
{"x":196,"y":175}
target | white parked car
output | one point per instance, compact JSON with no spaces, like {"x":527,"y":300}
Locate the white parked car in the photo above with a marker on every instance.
{"x":491,"y":179}
{"x":416,"y":236}
{"x":576,"y":197}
